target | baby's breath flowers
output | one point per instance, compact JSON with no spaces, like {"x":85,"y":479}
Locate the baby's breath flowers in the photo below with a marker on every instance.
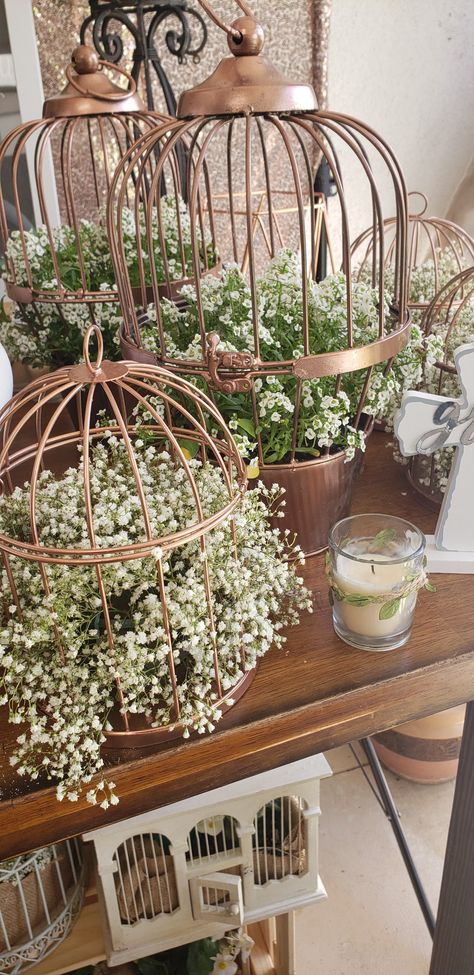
{"x":325,"y":415}
{"x":59,"y":676}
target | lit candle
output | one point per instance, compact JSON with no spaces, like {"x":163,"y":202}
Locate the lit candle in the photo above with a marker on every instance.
{"x":375,"y":566}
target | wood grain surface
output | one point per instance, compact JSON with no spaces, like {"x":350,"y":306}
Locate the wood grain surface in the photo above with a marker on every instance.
{"x":313,"y":695}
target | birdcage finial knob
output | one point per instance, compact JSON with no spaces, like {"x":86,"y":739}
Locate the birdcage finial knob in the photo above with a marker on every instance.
{"x":412,"y":211}
{"x":101,"y":370}
{"x":249,"y":40}
{"x":84,"y":59}
{"x":93,"y":330}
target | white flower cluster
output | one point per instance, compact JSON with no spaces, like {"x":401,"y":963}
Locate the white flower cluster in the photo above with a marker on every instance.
{"x":59,"y":675}
{"x":323,"y":418}
{"x":50,"y":334}
{"x":415,"y":367}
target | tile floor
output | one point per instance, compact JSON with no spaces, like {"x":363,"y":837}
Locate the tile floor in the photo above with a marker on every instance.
{"x":371,"y":923}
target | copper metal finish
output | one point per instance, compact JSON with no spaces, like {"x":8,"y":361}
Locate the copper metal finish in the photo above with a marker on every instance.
{"x":142,"y":738}
{"x":85,"y":131}
{"x":36,"y":434}
{"x":317,"y":494}
{"x":247,"y":83}
{"x":427,"y":237}
{"x":155,"y":160}
{"x":89,"y":91}
{"x":443,"y":315}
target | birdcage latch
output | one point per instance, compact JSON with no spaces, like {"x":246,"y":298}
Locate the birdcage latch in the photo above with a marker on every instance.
{"x":233,"y":362}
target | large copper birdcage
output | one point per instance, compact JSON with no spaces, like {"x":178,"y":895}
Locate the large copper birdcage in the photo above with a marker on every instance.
{"x":437,"y":250}
{"x":247,"y":129}
{"x":137,"y":409}
{"x":450,"y":316}
{"x":72,"y":153}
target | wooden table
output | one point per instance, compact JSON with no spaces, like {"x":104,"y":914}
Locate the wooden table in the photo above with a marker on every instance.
{"x":313,"y":695}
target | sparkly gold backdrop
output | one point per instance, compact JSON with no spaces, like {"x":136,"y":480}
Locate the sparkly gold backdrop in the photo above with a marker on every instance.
{"x":296,"y":40}
{"x":296,"y":31}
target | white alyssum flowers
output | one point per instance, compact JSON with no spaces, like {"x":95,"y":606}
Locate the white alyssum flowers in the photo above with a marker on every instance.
{"x":415,"y":367}
{"x":59,"y":674}
{"x":48,"y":334}
{"x":324,"y":417}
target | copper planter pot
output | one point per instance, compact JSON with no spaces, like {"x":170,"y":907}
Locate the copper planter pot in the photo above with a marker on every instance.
{"x":141,"y":736}
{"x":317,"y":494}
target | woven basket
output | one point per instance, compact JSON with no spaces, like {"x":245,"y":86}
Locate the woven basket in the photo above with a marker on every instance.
{"x":40,"y":897}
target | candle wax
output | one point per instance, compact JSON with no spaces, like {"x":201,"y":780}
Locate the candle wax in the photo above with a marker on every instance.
{"x":372,"y":578}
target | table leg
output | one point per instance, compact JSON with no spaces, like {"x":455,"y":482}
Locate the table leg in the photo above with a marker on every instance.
{"x":285,"y":962}
{"x":453,"y":948}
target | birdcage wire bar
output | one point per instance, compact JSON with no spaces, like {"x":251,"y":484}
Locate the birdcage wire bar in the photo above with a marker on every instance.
{"x":145,"y":880}
{"x":300,"y":135}
{"x":213,"y":840}
{"x":428,"y":238}
{"x":279,"y":840}
{"x":36,"y":434}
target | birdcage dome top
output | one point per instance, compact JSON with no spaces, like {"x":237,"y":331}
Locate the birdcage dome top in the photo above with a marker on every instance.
{"x":89,"y":91}
{"x":439,"y":246}
{"x":60,"y":422}
{"x":247,"y":82}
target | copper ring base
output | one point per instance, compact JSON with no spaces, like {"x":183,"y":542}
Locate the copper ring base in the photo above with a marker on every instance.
{"x":147,"y":737}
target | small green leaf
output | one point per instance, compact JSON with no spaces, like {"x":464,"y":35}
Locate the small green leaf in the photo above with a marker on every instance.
{"x":190,"y":445}
{"x":271,"y":458}
{"x":200,"y":956}
{"x":430,"y":587}
{"x":246,"y":425}
{"x":387,"y":610}
{"x":356,"y":600}
{"x":382,"y":538}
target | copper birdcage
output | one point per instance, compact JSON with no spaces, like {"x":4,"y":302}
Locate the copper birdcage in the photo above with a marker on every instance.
{"x":439,"y":245}
{"x":248,"y":128}
{"x":72,"y":153}
{"x":139,"y":403}
{"x":450,"y":315}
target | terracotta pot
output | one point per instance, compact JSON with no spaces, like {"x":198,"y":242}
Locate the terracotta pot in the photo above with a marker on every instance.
{"x":426,"y":750}
{"x":317,"y":494}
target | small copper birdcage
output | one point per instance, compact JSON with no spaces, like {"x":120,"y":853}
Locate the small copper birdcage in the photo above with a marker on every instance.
{"x":248,"y":130}
{"x":138,"y":409}
{"x":450,"y":316}
{"x":72,"y":153}
{"x":437,"y":250}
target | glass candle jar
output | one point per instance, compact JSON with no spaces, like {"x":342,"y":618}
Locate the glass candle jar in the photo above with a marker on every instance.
{"x":375,"y":567}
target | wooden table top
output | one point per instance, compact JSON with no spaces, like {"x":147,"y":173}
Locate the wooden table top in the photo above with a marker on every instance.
{"x":314,"y":694}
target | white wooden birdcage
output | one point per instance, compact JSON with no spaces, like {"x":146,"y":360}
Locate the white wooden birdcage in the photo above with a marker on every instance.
{"x":41,"y":895}
{"x":204,"y":865}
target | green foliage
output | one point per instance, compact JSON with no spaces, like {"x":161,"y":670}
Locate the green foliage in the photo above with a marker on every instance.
{"x":325,"y":415}
{"x":193,"y":959}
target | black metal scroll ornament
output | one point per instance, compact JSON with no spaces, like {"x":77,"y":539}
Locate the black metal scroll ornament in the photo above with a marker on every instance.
{"x":145,"y":22}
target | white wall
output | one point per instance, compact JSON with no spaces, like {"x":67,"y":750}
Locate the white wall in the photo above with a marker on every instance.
{"x":406,"y":67}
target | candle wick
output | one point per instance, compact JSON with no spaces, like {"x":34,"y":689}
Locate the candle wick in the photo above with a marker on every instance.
{"x":372,"y":566}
